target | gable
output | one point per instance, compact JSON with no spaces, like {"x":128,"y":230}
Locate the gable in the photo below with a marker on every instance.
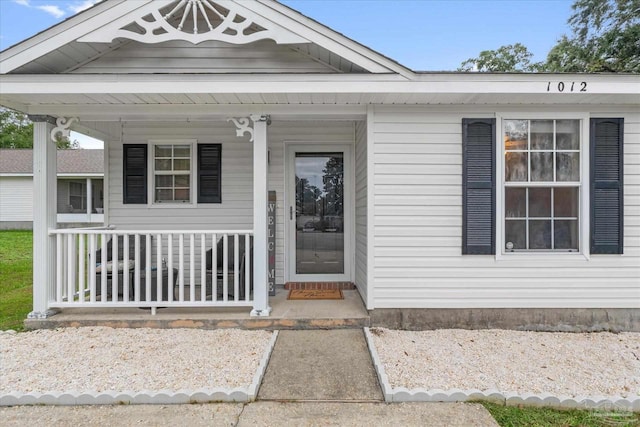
{"x":258,"y":36}
{"x":208,"y":57}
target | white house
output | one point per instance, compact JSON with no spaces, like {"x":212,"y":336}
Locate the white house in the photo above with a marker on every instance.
{"x":79,"y":188}
{"x":450,"y":195}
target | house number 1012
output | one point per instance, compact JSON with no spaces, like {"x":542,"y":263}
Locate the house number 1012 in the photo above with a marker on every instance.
{"x":567,"y":87}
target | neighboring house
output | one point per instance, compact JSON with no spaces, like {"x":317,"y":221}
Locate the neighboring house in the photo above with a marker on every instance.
{"x":474,"y":195}
{"x":79,"y":189}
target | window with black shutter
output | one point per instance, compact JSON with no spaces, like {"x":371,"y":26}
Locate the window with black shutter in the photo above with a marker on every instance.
{"x":209,"y":173}
{"x":135,"y":174}
{"x":607,"y":209}
{"x":478,"y":186}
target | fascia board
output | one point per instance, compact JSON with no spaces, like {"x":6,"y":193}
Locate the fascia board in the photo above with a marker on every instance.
{"x":65,"y":32}
{"x":329,"y":39}
{"x":283,"y":84}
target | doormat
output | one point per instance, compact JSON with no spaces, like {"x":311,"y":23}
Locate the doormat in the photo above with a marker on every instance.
{"x":311,"y":294}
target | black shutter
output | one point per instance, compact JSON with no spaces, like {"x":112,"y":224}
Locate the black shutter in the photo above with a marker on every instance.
{"x":209,"y":173}
{"x":607,"y":208}
{"x":478,"y":186}
{"x":135,"y":174}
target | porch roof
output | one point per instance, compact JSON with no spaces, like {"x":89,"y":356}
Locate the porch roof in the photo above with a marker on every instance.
{"x":95,"y":96}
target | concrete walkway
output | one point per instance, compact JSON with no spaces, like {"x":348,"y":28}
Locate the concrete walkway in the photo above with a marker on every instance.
{"x":252,"y":414}
{"x":320,"y":365}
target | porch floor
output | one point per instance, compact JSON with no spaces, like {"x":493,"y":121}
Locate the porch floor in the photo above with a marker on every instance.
{"x":349,"y":312}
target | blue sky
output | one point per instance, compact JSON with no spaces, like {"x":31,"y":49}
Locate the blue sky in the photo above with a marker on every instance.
{"x":433,"y":35}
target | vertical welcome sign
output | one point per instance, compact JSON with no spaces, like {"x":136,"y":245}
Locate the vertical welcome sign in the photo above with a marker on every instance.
{"x":271,"y":240}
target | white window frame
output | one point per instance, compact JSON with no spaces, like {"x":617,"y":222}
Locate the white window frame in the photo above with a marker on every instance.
{"x":584,"y":214}
{"x":83,"y":194}
{"x":151,"y":184}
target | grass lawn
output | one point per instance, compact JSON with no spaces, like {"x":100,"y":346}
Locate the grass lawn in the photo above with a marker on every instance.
{"x":16,"y":279}
{"x":513,"y":416}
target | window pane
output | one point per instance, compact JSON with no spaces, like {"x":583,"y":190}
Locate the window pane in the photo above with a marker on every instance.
{"x":164,"y":181}
{"x":568,"y":134}
{"x":182,"y":194}
{"x":164,"y":195}
{"x":515,"y":232}
{"x":542,"y":134}
{"x":515,"y":134}
{"x":565,"y":202}
{"x":565,"y":234}
{"x":516,"y":167}
{"x":542,"y":166}
{"x":540,"y":202}
{"x":568,"y":167}
{"x":515,"y":202}
{"x":539,"y":234}
{"x":182,"y":181}
{"x":163,"y":151}
{"x":181,"y":164}
{"x":163,"y":165}
{"x":181,"y":151}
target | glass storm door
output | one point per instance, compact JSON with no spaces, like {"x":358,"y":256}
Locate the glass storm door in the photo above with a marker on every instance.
{"x":319,"y":208}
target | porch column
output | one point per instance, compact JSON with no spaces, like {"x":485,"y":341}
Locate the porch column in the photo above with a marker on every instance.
{"x":44,"y":216}
{"x":89,"y":206}
{"x":260,"y":226}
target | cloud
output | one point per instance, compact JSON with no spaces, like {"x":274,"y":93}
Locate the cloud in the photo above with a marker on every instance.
{"x":52,"y":10}
{"x":80,"y":6}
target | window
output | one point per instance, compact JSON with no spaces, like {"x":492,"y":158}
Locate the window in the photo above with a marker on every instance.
{"x":546,"y":202}
{"x":542,"y":183}
{"x":172,"y":173}
{"x":181,"y":172}
{"x":77,"y":196}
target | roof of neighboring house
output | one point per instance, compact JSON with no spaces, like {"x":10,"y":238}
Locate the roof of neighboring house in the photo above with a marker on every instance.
{"x":19,"y":161}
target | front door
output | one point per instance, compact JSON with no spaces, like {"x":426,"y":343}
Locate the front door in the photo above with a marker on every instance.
{"x":319,"y":213}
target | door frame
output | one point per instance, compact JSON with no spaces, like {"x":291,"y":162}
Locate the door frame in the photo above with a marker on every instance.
{"x":291,"y":148}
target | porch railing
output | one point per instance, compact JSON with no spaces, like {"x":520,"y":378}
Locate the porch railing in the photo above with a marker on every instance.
{"x":102,"y":267}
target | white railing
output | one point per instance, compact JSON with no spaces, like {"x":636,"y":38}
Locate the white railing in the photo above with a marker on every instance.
{"x":152,"y":269}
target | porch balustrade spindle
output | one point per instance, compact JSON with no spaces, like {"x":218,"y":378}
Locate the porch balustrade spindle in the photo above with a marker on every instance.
{"x":214,"y":267}
{"x":192,"y":268}
{"x":170,"y":265}
{"x":103,"y":268}
{"x":126,"y":268}
{"x":115,"y":269}
{"x":81,"y":267}
{"x":225,"y":267}
{"x":60,"y":270}
{"x":136,"y":268}
{"x":247,"y":266}
{"x":159,"y":268}
{"x":147,"y":267}
{"x":236,"y":267}
{"x":92,"y":268}
{"x":203,"y":269}
{"x":181,"y":266}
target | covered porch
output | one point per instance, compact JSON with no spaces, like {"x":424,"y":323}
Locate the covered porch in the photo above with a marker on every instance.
{"x":191,"y":258}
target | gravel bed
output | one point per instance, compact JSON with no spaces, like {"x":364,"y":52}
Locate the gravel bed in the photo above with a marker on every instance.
{"x":106,"y":359}
{"x":589,"y":364}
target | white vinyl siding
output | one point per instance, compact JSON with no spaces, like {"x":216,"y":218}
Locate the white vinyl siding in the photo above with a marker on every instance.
{"x":236,"y":210}
{"x":16,"y":199}
{"x":361,"y":209}
{"x":208,"y":57}
{"x":418,"y":225}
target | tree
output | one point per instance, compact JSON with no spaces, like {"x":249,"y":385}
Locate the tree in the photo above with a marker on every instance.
{"x":509,"y":58}
{"x":605,"y":38}
{"x":16,"y":131}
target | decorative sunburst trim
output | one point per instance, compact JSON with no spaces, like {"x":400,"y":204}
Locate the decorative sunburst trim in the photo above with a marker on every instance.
{"x":194,"y":21}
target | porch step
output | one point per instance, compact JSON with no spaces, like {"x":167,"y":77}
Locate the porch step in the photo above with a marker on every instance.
{"x":286,"y":314}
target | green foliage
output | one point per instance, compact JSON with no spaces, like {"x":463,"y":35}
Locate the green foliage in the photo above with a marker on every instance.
{"x":510,"y":58}
{"x":16,"y":131}
{"x":16,"y":277}
{"x":605,"y":37}
{"x":514,"y":416}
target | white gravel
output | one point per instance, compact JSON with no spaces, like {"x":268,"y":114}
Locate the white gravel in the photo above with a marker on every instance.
{"x":106,"y":359}
{"x":593,"y":364}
